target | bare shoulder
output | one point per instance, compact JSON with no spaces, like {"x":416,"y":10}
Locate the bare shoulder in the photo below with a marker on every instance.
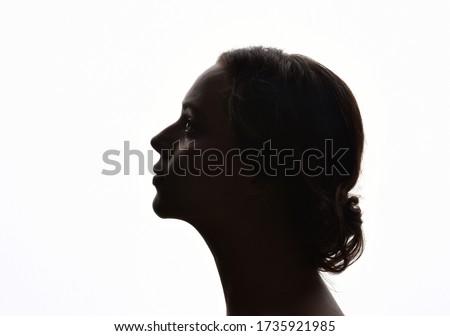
{"x":321,"y":303}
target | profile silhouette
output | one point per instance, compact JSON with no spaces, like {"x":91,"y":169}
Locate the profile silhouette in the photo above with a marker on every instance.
{"x":261,"y":163}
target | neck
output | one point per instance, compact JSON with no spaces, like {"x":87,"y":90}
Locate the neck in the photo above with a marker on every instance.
{"x":261,"y":267}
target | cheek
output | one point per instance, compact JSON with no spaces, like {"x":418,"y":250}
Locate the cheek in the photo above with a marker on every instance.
{"x":196,"y":158}
{"x":197,"y":176}
{"x":185,"y":162}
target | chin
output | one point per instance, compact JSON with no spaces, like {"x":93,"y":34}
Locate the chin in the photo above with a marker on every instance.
{"x":175,"y":204}
{"x":161,"y":209}
{"x":164,"y":209}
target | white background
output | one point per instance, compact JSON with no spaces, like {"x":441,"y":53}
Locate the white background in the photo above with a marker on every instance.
{"x":80,"y":77}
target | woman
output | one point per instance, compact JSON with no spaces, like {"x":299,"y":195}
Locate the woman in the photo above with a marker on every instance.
{"x":261,"y":163}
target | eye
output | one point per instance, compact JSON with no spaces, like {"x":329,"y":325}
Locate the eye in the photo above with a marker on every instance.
{"x":189,"y":126}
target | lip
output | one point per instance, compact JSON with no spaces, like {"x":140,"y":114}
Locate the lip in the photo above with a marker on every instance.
{"x":158,"y":180}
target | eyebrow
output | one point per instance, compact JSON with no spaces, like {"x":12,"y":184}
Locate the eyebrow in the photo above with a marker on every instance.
{"x":190,"y":105}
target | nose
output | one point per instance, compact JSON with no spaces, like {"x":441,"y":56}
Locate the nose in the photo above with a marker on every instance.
{"x":162,"y":143}
{"x":162,"y":140}
{"x":155,"y":143}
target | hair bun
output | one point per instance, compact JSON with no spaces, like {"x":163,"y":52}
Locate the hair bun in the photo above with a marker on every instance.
{"x":352,"y":212}
{"x":345,"y":235}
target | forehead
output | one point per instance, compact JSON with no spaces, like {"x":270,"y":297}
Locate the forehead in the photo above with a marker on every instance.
{"x":210,"y":90}
{"x":209,"y":94}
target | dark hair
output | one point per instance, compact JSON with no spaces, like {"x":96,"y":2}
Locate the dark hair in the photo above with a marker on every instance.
{"x":298,"y":103}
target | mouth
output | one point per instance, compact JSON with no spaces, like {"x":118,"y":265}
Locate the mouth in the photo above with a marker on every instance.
{"x":158,"y":170}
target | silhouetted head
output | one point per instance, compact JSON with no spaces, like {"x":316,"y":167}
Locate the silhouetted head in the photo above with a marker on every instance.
{"x":261,"y":119}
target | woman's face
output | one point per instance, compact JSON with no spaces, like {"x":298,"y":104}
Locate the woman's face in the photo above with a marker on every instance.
{"x":191,"y":186}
